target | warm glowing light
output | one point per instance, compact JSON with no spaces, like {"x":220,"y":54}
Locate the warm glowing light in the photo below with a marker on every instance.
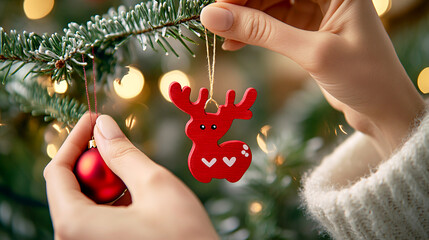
{"x":255,"y":207}
{"x":36,"y":9}
{"x":279,"y":160}
{"x":51,"y":150}
{"x":423,"y":80}
{"x":168,"y":78}
{"x":56,"y":127}
{"x":50,"y":90}
{"x":130,"y":85}
{"x":265,"y":129}
{"x":261,"y":143}
{"x":130,"y":121}
{"x":382,"y":6}
{"x":342,"y":129}
{"x":261,"y":139}
{"x":61,"y":87}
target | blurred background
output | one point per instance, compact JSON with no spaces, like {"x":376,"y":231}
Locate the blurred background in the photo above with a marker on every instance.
{"x":292,"y":128}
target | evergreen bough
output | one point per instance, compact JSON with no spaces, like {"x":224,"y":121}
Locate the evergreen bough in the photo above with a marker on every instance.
{"x":58,"y":56}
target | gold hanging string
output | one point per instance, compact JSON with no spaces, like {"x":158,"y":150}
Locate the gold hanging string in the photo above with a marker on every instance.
{"x":211,"y":68}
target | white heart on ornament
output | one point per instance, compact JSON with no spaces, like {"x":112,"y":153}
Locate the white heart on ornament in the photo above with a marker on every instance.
{"x":207,"y":163}
{"x":230,"y":161}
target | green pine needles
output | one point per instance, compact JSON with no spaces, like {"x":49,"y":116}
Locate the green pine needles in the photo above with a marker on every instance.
{"x":35,"y":99}
{"x":59,"y":56}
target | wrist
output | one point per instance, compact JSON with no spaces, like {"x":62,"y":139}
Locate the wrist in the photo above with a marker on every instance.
{"x":393,"y":125}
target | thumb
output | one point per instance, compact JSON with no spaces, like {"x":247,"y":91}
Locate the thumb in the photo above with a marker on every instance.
{"x":251,"y":26}
{"x":122,"y":157}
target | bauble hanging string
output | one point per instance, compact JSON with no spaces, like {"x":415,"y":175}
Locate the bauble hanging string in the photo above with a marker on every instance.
{"x":208,"y":159}
{"x":96,"y":180}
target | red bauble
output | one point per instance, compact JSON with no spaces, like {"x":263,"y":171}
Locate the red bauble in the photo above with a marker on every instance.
{"x":96,"y":180}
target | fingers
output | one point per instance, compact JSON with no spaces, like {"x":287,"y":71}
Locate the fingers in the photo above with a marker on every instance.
{"x":251,"y":26}
{"x":122,"y":157}
{"x":232,"y":45}
{"x":228,"y":44}
{"x":61,"y":185}
{"x":236,"y":2}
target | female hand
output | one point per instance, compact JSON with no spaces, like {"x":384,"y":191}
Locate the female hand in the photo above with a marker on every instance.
{"x":162,"y":207}
{"x":344,"y":47}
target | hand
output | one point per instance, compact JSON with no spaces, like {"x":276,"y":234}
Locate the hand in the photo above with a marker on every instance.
{"x":162,"y":207}
{"x":342,"y":44}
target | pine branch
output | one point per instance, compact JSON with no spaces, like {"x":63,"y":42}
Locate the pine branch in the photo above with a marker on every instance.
{"x":151,"y":22}
{"x":35,"y":99}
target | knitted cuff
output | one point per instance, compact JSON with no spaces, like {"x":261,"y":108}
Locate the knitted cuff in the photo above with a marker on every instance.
{"x":354,"y":200}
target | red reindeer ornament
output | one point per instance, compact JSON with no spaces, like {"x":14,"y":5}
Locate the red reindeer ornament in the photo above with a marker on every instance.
{"x":208,"y":159}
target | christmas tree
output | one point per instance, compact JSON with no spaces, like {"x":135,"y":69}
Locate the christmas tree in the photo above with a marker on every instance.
{"x":133,"y":53}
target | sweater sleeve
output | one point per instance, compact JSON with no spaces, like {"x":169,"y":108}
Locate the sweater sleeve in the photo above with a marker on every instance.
{"x":353,"y":194}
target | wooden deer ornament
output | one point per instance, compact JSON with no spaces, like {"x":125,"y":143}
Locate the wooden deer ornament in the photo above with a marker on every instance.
{"x":208,"y":159}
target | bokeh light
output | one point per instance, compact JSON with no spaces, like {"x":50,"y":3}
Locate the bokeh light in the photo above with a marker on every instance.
{"x":423,"y":80}
{"x":382,"y":6}
{"x":56,"y":127}
{"x":130,"y":85}
{"x":37,"y":9}
{"x":51,"y":150}
{"x":279,"y":160}
{"x":341,"y":127}
{"x":261,"y":139}
{"x":168,"y":78}
{"x":255,"y":207}
{"x":130,"y":121}
{"x":61,"y":86}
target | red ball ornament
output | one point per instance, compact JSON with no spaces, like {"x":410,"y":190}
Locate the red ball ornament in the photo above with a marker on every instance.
{"x":96,"y":180}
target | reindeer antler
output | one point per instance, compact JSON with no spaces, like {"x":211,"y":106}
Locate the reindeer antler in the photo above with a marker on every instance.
{"x":241,"y":110}
{"x":180,"y":97}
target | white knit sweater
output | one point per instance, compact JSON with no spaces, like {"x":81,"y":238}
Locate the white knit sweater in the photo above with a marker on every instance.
{"x":356,"y":195}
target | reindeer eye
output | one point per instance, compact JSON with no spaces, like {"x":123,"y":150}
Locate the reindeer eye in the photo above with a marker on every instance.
{"x":214,"y":127}
{"x":202,"y":127}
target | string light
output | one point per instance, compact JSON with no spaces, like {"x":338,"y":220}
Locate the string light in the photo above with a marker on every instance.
{"x":261,"y":139}
{"x":255,"y":207}
{"x":54,"y":136}
{"x":61,"y":86}
{"x":50,"y":89}
{"x":51,"y":150}
{"x":168,"y":78}
{"x":342,"y":129}
{"x":37,"y":9}
{"x":279,"y":160}
{"x":382,"y":6}
{"x":423,"y":80}
{"x":56,"y":127}
{"x":130,"y":121}
{"x":130,"y":85}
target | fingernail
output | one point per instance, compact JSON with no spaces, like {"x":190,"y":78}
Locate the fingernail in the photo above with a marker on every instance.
{"x":108,"y":127}
{"x":216,"y":18}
